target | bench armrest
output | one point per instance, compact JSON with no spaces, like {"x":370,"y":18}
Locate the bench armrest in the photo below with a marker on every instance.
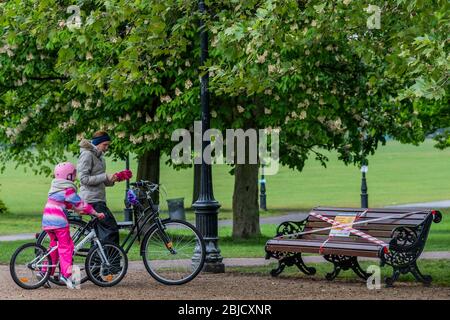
{"x":437,"y":216}
{"x":409,"y":238}
{"x":404,"y":239}
{"x":290,"y":227}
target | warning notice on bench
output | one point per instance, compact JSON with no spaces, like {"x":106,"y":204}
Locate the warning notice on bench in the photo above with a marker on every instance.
{"x":343,"y":218}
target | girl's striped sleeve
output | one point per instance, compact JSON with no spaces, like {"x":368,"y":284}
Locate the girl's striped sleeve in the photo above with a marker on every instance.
{"x":79,"y":205}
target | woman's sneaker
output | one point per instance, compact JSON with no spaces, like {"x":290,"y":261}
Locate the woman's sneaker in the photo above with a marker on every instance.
{"x":68,"y":282}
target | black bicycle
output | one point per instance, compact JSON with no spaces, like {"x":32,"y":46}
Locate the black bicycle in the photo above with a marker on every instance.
{"x":173,"y":251}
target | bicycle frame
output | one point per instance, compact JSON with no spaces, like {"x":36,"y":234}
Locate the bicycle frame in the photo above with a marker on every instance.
{"x":143,"y":220}
{"x":92,"y":236}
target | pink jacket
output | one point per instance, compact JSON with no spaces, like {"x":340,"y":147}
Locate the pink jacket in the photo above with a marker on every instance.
{"x":62,"y":196}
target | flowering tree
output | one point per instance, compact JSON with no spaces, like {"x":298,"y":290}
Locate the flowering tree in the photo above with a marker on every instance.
{"x":129,"y":68}
{"x":316,"y":70}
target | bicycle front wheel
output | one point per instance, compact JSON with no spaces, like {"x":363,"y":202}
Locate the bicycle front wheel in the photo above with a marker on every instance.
{"x":30,"y":266}
{"x":174,"y":255}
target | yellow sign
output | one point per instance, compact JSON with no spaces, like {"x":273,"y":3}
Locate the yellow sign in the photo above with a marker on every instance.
{"x":346,"y":219}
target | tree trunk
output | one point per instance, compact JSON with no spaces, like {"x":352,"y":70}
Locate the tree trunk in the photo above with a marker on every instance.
{"x":245,"y":201}
{"x":197,"y":179}
{"x":148,"y":169}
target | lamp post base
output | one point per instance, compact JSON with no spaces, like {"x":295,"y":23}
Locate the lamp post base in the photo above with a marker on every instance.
{"x":214,"y":267}
{"x":206,"y":221}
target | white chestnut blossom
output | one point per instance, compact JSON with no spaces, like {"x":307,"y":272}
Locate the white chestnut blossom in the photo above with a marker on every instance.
{"x":76,"y":104}
{"x":188,"y":84}
{"x":166,"y":98}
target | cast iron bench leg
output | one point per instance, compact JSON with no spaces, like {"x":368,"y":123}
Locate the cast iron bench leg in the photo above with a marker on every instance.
{"x":359,"y":271}
{"x":294,"y":259}
{"x":277,"y":271}
{"x":302,"y":266}
{"x":390,"y":280}
{"x":425,"y":279}
{"x":332,"y":275}
{"x":341,"y":262}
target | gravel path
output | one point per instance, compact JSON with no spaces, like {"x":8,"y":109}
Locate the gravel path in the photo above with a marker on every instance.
{"x":229,"y":286}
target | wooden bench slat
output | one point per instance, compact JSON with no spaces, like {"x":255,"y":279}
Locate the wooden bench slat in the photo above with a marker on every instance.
{"x":351,"y":239}
{"x":385,"y":227}
{"x":359,"y":253}
{"x":387,"y":221}
{"x":373,"y":215}
{"x":318,"y":244}
{"x":383,"y":210}
{"x":374,"y":233}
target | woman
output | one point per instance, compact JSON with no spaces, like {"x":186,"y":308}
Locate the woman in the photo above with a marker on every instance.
{"x":91,"y":168}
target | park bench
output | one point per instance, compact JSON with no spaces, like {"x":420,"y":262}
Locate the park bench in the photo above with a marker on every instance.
{"x":395,"y":236}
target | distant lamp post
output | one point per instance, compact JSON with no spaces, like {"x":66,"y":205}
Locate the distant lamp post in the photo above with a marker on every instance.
{"x":364,"y":195}
{"x":262,"y":196}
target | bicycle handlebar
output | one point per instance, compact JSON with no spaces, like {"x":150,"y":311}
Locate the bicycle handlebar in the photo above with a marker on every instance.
{"x":142,"y":183}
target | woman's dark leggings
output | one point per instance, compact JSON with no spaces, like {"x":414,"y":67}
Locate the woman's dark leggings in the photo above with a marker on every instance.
{"x":107,"y":229}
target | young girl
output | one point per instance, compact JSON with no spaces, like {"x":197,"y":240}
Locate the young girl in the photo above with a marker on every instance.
{"x":62,"y":196}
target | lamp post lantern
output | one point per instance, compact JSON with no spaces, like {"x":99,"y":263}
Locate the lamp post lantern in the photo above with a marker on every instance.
{"x":364,"y":195}
{"x":206,"y":207}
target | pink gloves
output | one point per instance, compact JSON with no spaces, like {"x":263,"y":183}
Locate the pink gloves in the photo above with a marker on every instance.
{"x":123,"y":175}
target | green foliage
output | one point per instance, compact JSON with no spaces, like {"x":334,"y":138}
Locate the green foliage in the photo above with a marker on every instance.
{"x":129,"y":69}
{"x":310,"y":68}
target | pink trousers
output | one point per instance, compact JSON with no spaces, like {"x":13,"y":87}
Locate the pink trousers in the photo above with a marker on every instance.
{"x":64,"y":253}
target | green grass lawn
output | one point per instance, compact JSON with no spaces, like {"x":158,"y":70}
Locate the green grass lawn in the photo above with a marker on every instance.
{"x":397,"y":174}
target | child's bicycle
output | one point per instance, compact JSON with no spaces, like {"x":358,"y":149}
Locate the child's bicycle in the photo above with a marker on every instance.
{"x":78,"y":232}
{"x":106,"y":263}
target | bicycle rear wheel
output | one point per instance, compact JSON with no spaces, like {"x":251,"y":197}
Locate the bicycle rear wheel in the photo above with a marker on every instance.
{"x":29,"y":266}
{"x":181,"y":259}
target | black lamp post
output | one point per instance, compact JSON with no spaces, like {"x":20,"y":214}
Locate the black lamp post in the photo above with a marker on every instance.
{"x":364,"y":195}
{"x":206,"y":207}
{"x":262,"y":196}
